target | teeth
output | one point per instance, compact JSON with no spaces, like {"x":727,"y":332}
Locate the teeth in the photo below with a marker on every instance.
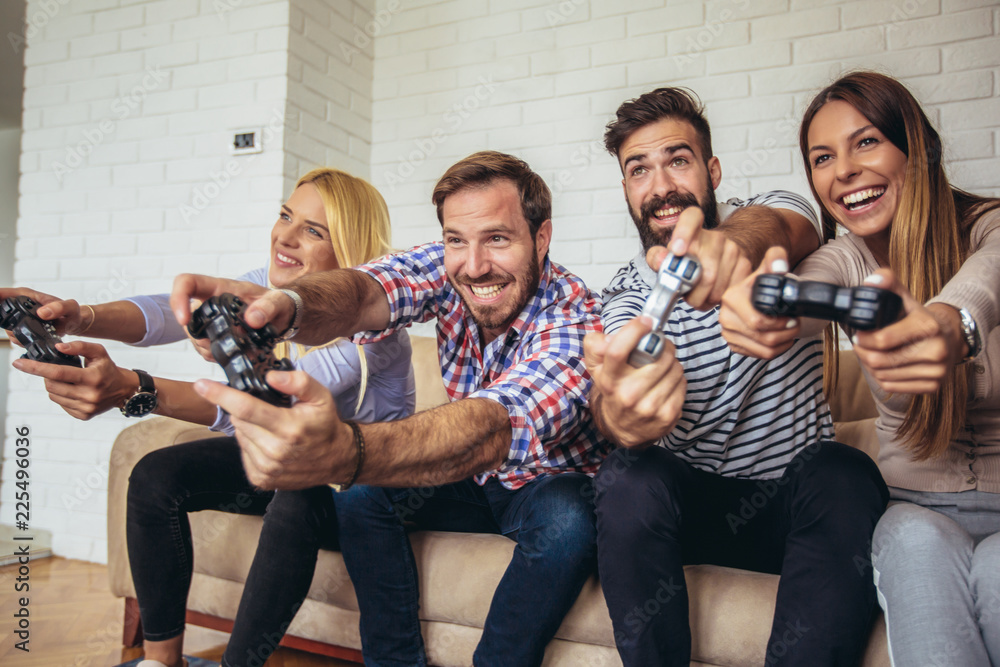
{"x":486,"y":292}
{"x":667,"y":212}
{"x":862,"y":195}
{"x":287,"y":260}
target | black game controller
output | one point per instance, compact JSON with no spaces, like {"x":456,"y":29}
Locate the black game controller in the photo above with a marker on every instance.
{"x":677,"y":276}
{"x":245,"y":354}
{"x":39,"y":338}
{"x":862,"y":308}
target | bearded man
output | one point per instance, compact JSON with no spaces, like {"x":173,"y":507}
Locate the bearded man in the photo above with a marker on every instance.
{"x":513,"y":453}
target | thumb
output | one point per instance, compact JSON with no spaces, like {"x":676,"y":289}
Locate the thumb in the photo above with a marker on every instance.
{"x":299,"y":384}
{"x":594,"y":346}
{"x":886,"y":279}
{"x":775,"y":261}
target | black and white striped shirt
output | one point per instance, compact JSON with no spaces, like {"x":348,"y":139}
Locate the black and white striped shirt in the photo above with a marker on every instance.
{"x":743,"y":417}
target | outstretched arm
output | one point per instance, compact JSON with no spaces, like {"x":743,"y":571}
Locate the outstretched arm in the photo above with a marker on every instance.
{"x":117,"y":320}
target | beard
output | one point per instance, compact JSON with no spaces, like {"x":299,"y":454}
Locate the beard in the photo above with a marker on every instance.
{"x":650,"y":236}
{"x":500,"y":315}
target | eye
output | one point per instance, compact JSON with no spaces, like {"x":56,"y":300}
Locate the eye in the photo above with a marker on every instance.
{"x":867,"y":141}
{"x":820,"y":159}
{"x":453,"y":241}
{"x":315,"y":232}
{"x":679,"y":161}
{"x":637,"y":171}
{"x":284,"y":216}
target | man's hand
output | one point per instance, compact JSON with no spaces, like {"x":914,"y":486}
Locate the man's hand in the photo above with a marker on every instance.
{"x":913,"y":355}
{"x":749,"y":331}
{"x":723,"y":262}
{"x":83,"y":392}
{"x":263,"y":305}
{"x":288,"y":448}
{"x":633,"y":406}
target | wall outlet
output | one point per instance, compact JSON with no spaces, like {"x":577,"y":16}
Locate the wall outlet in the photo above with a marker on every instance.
{"x":246,"y":141}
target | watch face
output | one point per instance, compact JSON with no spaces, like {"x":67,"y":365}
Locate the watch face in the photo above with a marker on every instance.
{"x":140,"y":404}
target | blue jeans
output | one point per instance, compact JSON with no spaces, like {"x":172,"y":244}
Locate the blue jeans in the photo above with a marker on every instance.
{"x":552,"y":521}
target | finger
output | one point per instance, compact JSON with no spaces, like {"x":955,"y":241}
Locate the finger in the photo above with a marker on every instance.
{"x":273,"y":307}
{"x":58,"y":308}
{"x":57,"y":372}
{"x":301,"y":385}
{"x":655,"y":257}
{"x":652,"y":401}
{"x":687,"y":229}
{"x":189,"y":286}
{"x":237,"y":403}
{"x":91,"y":352}
{"x":35,"y":295}
{"x":594,"y":346}
{"x":620,"y":345}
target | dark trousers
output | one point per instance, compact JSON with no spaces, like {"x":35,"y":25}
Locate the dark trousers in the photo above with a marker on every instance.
{"x":813,"y":526}
{"x":164,"y":486}
{"x":551,"y":519}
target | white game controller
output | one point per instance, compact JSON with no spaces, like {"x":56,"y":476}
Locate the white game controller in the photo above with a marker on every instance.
{"x":677,"y":277}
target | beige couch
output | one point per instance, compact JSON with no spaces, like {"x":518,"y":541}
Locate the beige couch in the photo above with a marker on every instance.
{"x":730,"y":609}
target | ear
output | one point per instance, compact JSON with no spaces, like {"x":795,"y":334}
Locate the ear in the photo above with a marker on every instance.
{"x":542,"y":240}
{"x":715,"y":171}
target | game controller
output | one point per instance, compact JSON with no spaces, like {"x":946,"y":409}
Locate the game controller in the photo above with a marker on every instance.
{"x":245,"y":354}
{"x":39,"y":338}
{"x":677,"y":277}
{"x":863,"y":308}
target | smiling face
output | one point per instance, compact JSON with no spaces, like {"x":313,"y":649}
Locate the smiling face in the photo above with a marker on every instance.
{"x":490,"y":257}
{"x":664,"y":173}
{"x":300,"y":239}
{"x":857,"y":173}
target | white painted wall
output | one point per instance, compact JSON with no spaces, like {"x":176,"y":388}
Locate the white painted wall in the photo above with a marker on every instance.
{"x":436,"y":80}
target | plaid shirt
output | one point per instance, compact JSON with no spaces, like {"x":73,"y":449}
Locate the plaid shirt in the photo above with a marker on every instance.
{"x":535,"y":371}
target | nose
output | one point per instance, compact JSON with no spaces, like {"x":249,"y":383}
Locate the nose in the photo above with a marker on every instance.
{"x":477,"y":261}
{"x":847,"y":168}
{"x":663,"y":184}
{"x":287,"y":234}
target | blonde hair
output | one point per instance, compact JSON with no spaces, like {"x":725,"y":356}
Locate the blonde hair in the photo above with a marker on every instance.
{"x":358,"y":220}
{"x":928,"y":239}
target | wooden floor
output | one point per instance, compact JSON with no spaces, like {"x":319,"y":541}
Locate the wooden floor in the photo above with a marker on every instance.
{"x":74,"y":621}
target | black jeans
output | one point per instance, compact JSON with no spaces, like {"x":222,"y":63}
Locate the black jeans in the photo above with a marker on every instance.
{"x":813,"y":526}
{"x":164,"y":486}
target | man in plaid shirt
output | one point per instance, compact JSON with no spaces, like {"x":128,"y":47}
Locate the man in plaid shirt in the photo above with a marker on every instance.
{"x":513,"y":453}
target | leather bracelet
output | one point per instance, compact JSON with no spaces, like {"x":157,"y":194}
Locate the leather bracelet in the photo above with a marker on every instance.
{"x":296,"y":318}
{"x":359,"y":443}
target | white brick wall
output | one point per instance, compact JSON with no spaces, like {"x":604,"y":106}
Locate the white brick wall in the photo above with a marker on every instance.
{"x":398,"y":90}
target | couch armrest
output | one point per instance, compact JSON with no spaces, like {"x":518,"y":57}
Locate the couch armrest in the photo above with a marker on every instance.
{"x":131,"y":445}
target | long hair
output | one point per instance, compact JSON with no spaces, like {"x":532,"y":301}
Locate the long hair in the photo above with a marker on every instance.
{"x":358,"y":220}
{"x":928,"y":239}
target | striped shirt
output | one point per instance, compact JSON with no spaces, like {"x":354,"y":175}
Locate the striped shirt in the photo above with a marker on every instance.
{"x":742,"y":417}
{"x":535,"y":371}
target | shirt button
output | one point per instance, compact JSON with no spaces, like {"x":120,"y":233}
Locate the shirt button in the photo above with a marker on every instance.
{"x":970,"y":480}
{"x":980,"y":369}
{"x":970,"y":455}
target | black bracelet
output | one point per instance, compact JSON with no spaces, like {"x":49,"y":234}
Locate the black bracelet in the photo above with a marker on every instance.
{"x":359,"y":443}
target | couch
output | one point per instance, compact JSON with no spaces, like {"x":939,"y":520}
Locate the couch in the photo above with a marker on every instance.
{"x":731,"y":609}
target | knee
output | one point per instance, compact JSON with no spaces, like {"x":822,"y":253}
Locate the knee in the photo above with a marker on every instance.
{"x":913,"y":534}
{"x":636,"y":485}
{"x":364,"y":503}
{"x":842,"y":475}
{"x":156,"y":475}
{"x":562,"y":519}
{"x":985,"y":575}
{"x":308,"y":510}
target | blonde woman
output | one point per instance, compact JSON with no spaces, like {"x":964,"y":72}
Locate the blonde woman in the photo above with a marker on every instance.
{"x":331,"y":220}
{"x":874,"y":164}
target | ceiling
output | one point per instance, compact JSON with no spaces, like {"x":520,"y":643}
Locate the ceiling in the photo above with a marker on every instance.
{"x":11,"y":62}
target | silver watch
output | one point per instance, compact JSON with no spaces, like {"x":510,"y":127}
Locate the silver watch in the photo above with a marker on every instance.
{"x":970,"y":332}
{"x":296,"y":317}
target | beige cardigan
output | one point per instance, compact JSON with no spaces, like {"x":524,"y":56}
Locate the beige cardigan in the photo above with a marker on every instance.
{"x":973,"y":461}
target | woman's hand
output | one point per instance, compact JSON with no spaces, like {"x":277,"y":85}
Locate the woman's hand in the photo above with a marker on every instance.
{"x":83,"y":392}
{"x":916,"y":353}
{"x":64,"y":315}
{"x":749,"y":331}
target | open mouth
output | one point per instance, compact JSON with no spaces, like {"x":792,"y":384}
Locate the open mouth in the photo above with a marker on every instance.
{"x":862,"y":198}
{"x":487,"y":292}
{"x":664,"y":214}
{"x":286,"y":260}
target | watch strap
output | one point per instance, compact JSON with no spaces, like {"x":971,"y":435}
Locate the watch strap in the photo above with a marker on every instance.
{"x":296,"y":317}
{"x":146,"y":384}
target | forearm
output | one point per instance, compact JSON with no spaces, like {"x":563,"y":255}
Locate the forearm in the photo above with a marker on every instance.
{"x":339,"y":303}
{"x":756,"y":228}
{"x":447,"y":444}
{"x":118,"y":320}
{"x":178,"y":400}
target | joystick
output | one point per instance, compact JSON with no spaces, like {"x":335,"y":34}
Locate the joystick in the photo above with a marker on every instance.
{"x":39,"y":338}
{"x":245,"y":354}
{"x":677,"y":276}
{"x":863,"y":308}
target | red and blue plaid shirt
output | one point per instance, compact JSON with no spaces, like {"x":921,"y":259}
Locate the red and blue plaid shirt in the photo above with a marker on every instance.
{"x":535,"y":371}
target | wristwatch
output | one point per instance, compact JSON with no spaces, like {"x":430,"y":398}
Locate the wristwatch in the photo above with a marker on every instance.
{"x":143,"y":401}
{"x":296,"y":316}
{"x":970,"y":333}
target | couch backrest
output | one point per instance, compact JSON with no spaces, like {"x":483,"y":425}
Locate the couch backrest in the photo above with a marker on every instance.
{"x":427,"y":371}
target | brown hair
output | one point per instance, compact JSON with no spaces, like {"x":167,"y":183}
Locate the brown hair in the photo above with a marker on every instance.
{"x":484,"y":168}
{"x":928,"y":239}
{"x":656,"y":105}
